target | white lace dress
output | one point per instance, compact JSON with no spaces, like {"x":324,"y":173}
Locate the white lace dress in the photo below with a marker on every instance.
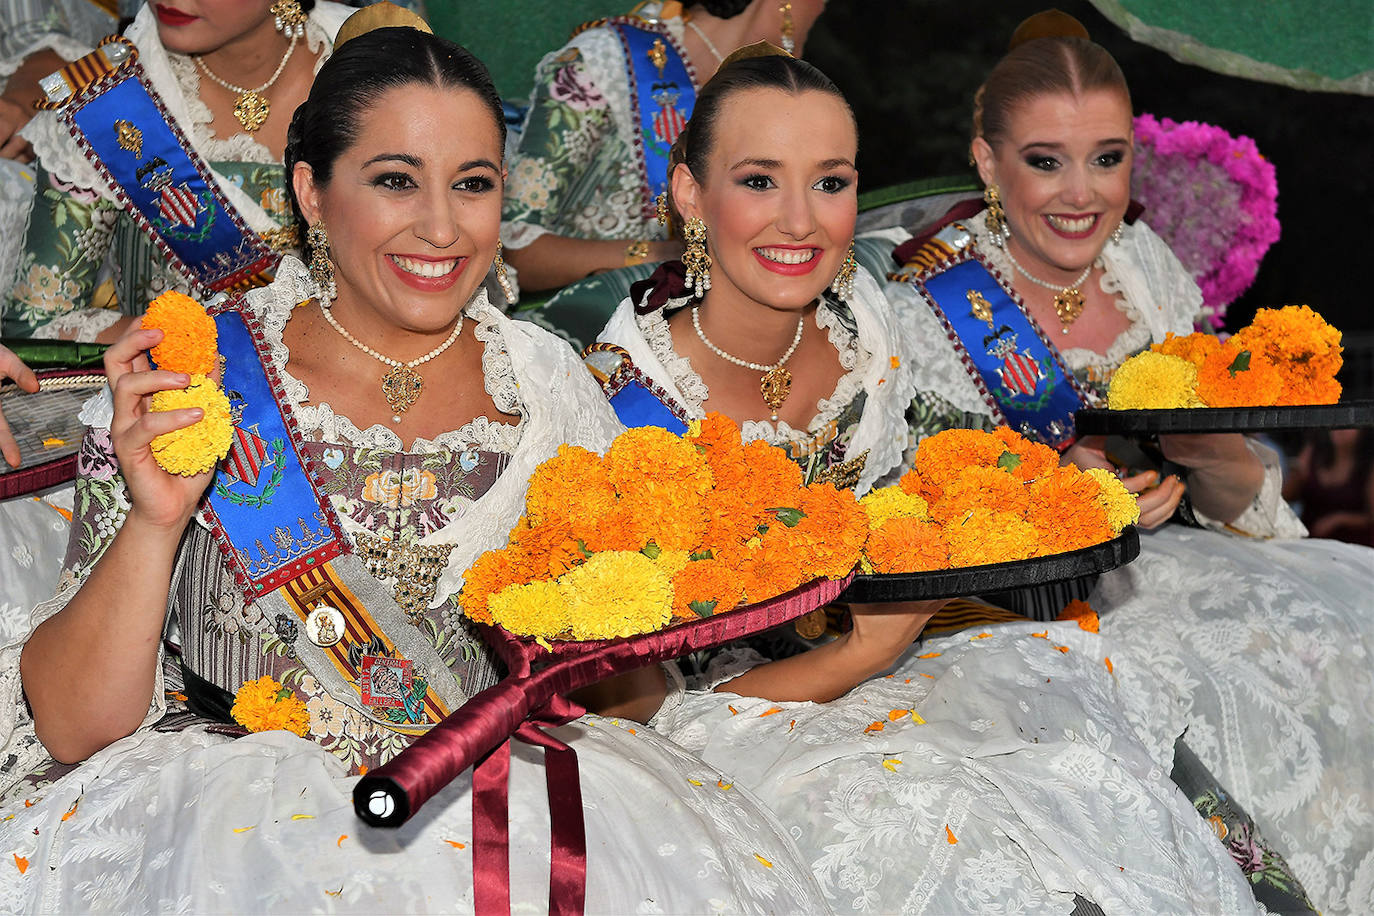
{"x":188,"y":820}
{"x":1264,"y":643}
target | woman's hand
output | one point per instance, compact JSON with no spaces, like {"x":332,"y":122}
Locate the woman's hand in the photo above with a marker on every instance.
{"x":1224,"y":473}
{"x":882,"y":632}
{"x":1157,"y":500}
{"x":158,"y":499}
{"x":11,"y":367}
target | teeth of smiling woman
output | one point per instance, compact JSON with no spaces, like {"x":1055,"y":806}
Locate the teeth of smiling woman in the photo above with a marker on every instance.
{"x":424,"y":268}
{"x":1082,"y":224}
{"x":788,"y":255}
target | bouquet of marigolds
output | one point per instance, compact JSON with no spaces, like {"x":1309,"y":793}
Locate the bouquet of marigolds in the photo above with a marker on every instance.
{"x":661,"y":528}
{"x":190,"y":345}
{"x":974,"y":497}
{"x":1285,"y":357}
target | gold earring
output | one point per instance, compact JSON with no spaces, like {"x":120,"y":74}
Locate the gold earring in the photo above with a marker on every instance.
{"x":843,"y":284}
{"x":321,"y":268}
{"x":695,"y":258}
{"x":499,"y":264}
{"x":995,"y":218}
{"x":662,"y":204}
{"x":290,"y":18}
{"x":789,"y":28}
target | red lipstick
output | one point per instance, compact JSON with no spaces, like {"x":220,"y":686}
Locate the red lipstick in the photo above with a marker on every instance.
{"x":427,"y":284}
{"x":790,"y":270}
{"x":170,"y":15}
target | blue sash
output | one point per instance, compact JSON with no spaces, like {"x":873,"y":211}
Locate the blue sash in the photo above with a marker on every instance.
{"x":663,"y":95}
{"x":1018,"y":371}
{"x":636,"y":400}
{"x":269,"y":520}
{"x":121,"y":125}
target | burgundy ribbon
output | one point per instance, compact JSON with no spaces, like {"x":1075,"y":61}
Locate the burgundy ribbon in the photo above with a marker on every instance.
{"x":523,"y":704}
{"x":491,"y":817}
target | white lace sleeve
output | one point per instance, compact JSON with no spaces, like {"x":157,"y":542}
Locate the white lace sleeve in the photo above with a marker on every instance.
{"x":1153,"y":279}
{"x":726,"y":665}
{"x":1268,"y":514}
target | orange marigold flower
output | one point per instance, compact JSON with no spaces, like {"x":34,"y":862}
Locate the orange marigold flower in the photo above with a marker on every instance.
{"x":1035,"y":458}
{"x":1234,"y":377}
{"x":1083,"y":613}
{"x":1067,"y":511}
{"x":572,"y":488}
{"x":1304,"y":347}
{"x":1194,"y":347}
{"x":830,"y":533}
{"x":492,"y":571}
{"x":980,"y":487}
{"x":774,"y":476}
{"x":1317,"y":387}
{"x":265,"y":705}
{"x":189,"y":337}
{"x":907,"y":545}
{"x":551,"y":548}
{"x":766,"y":569}
{"x":941,"y":457}
{"x":705,"y":587}
{"x":984,"y":536}
{"x":662,"y":481}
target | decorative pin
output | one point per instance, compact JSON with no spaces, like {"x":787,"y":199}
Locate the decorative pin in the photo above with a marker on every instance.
{"x":325,"y":626}
{"x":658,"y":56}
{"x":980,"y":307}
{"x":129,"y":137}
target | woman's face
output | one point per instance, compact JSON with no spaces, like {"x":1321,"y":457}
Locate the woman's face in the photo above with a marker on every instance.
{"x":413,"y":208}
{"x":779,"y":198}
{"x":1063,"y":169}
{"x":201,"y":26}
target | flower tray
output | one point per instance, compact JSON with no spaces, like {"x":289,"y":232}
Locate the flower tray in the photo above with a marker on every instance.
{"x":533,"y":694}
{"x":995,"y":577}
{"x":1101,"y":421}
{"x":46,"y":427}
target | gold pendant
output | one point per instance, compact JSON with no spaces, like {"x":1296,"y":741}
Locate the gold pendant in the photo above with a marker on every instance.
{"x":775,"y":386}
{"x":1068,"y":305}
{"x":401,"y":387}
{"x":811,"y":625}
{"x":251,"y":109}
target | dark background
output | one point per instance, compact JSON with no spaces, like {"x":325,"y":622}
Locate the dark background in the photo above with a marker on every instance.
{"x":910,"y":69}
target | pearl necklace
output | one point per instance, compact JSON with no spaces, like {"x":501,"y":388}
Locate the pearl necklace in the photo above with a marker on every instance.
{"x":251,"y":106}
{"x":1068,"y":300}
{"x":776,"y":383}
{"x":710,"y":46}
{"x":402,"y":385}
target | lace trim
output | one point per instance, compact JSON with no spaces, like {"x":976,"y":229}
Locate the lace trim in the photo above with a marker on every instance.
{"x":1136,"y":336}
{"x":242,"y":146}
{"x":853,"y":358}
{"x":274,"y":305}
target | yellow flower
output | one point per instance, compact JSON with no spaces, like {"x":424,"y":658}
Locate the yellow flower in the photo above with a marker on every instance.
{"x":893,"y":502}
{"x":1154,"y":381}
{"x":265,"y":705}
{"x":616,"y":593}
{"x":1118,"y":502}
{"x":984,"y":536}
{"x":532,"y":609}
{"x":195,"y":449}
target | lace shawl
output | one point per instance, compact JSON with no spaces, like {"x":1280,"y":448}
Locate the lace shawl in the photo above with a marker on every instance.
{"x":876,"y":361}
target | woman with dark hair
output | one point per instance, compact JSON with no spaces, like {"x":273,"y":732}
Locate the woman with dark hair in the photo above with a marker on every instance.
{"x":607,"y":106}
{"x":387,"y":420}
{"x":1259,"y":639}
{"x":953,"y":776}
{"x":1333,"y":479}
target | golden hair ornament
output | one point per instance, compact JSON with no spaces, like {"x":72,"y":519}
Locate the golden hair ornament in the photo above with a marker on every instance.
{"x":379,"y":16}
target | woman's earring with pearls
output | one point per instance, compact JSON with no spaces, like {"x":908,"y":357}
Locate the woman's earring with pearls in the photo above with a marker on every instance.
{"x":499,"y":265}
{"x":843,"y":284}
{"x":695,"y":258}
{"x":321,"y":268}
{"x":995,"y":218}
{"x":289,"y":18}
{"x":789,"y":29}
{"x":1116,"y":233}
